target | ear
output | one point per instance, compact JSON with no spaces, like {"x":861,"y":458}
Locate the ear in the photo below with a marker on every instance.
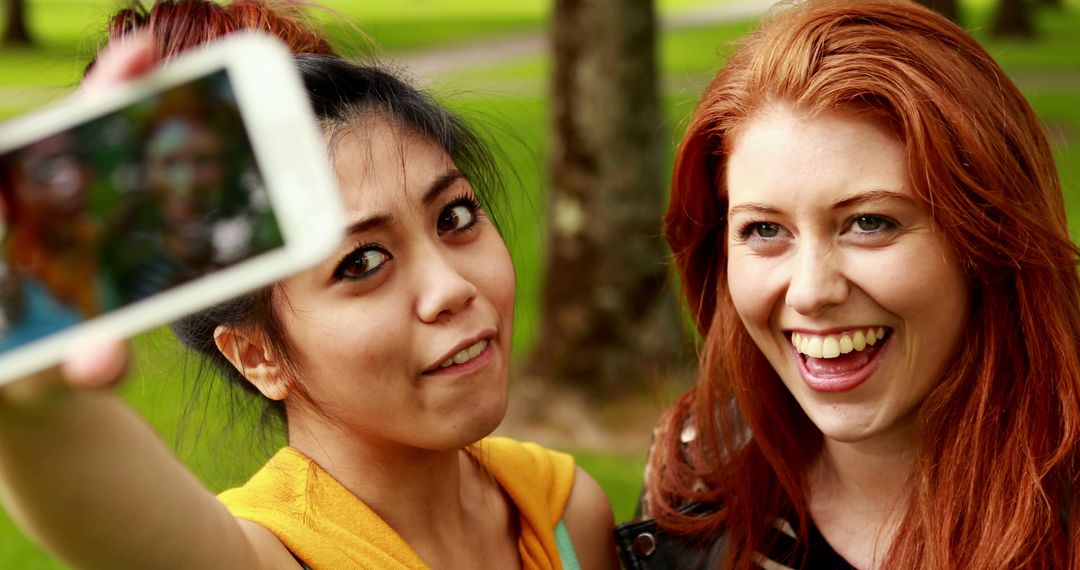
{"x":249,"y":352}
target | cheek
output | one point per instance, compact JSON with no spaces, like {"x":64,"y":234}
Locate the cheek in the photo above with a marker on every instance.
{"x":930,"y":302}
{"x":922,"y":285}
{"x":496,"y":276}
{"x":751,"y":292}
{"x":942,"y":301}
{"x":344,"y":338}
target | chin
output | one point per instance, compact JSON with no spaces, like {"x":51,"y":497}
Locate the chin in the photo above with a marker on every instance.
{"x":845,"y":431}
{"x":488,"y":417}
{"x":472,"y":423}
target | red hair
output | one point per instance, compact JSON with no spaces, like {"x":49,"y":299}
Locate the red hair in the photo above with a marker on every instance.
{"x":179,"y":25}
{"x":998,"y":439}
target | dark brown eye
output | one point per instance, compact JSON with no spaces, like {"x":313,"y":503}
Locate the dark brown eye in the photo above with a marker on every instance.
{"x":458,"y":216}
{"x":362,"y":263}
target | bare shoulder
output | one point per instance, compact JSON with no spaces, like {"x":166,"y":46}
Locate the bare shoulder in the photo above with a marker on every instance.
{"x":590,"y":523}
{"x":271,"y":552}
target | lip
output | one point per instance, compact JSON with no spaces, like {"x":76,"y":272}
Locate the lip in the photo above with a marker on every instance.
{"x":834,"y":330}
{"x":475,"y":363}
{"x":840,"y":382}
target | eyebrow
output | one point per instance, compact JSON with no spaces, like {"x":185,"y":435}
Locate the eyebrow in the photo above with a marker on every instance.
{"x":863,"y":198}
{"x":873,"y":196}
{"x":441,"y":184}
{"x":437,"y":188}
{"x":369,"y":223}
{"x":752,"y":208}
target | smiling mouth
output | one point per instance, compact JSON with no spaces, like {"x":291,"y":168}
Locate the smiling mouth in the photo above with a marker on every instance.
{"x":839,"y":362}
{"x":832,"y":345}
{"x":466,"y":354}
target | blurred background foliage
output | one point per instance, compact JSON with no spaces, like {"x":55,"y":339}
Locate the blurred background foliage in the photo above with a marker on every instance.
{"x":509,"y":97}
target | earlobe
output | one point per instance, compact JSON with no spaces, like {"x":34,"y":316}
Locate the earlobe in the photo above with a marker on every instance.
{"x":249,"y":352}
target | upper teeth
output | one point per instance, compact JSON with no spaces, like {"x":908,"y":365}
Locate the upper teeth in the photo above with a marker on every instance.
{"x":831,"y":346}
{"x":466,"y":354}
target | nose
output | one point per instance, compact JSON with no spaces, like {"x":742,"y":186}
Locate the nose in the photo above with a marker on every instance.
{"x":444,"y":290}
{"x":817,"y":281}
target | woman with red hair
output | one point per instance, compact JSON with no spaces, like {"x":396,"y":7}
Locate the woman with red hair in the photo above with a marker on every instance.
{"x":385,"y":367}
{"x":871,"y":235}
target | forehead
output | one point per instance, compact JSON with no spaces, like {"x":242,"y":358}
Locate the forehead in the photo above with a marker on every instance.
{"x":783,"y":154}
{"x":379,"y":164}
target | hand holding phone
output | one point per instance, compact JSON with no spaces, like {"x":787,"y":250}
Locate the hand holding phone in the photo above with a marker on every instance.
{"x":104,"y":362}
{"x":168,"y":195}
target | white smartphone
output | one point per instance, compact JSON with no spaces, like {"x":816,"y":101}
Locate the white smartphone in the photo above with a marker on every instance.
{"x":125,"y":210}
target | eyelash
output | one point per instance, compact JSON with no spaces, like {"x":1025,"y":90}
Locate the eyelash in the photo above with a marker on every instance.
{"x":746,"y":229}
{"x":475,"y":209}
{"x":355,"y":255}
{"x":887,"y":224}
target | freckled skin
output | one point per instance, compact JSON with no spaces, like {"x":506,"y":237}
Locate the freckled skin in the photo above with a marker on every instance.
{"x":824,"y":259}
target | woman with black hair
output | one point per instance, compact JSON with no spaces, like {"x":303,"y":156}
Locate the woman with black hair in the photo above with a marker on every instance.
{"x":387,"y":363}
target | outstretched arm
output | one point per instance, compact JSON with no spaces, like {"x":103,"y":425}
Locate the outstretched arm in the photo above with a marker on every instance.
{"x":87,"y":478}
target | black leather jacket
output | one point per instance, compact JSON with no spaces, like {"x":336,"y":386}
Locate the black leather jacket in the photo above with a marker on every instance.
{"x":644,"y":545}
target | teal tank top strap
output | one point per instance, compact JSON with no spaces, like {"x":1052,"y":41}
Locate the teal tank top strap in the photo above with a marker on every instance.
{"x":566,"y":548}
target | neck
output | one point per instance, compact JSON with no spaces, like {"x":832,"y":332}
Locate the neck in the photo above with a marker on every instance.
{"x":408,"y":488}
{"x":859,"y":491}
{"x":874,"y":473}
{"x":443,"y":504}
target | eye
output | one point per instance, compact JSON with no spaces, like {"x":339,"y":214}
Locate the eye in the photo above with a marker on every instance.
{"x":868,"y":223}
{"x":763,"y":238}
{"x":361,"y":263}
{"x":760,"y":231}
{"x":458,"y":216}
{"x":764,"y":230}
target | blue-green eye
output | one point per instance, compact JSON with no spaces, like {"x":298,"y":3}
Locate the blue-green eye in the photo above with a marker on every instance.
{"x":870,"y":223}
{"x":762,"y":230}
{"x":361,"y":263}
{"x":766,"y":230}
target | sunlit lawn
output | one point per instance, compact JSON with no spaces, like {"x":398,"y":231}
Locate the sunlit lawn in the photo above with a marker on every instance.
{"x":516,"y":118}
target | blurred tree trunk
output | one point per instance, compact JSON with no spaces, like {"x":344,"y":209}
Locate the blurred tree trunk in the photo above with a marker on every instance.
{"x":1013,"y":19}
{"x":16,"y":32}
{"x":949,"y":8}
{"x":610,"y":322}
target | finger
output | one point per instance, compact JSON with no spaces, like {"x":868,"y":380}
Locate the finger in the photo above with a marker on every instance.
{"x":96,"y":365}
{"x":123,"y":59}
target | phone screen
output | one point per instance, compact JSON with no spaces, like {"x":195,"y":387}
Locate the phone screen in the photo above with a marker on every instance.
{"x":126,"y":206}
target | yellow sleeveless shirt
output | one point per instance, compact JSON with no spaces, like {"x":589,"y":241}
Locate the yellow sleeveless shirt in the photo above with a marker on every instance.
{"x":327,"y":527}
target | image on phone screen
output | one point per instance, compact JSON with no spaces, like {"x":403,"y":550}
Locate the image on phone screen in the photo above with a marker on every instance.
{"x":126,"y":206}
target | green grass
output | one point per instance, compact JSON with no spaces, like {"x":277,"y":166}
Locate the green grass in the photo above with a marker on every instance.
{"x":1061,"y":28}
{"x":69,"y":31}
{"x":509,"y":102}
{"x":619,"y":474}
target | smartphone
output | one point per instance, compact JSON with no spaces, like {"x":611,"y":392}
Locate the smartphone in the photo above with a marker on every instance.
{"x":121,"y":211}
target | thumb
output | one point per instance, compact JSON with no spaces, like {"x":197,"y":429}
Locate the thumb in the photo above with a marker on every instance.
{"x":96,"y":365}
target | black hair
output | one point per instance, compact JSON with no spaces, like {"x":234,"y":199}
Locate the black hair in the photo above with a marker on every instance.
{"x":342,"y":93}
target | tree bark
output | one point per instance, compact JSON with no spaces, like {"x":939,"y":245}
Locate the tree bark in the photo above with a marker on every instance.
{"x":948,"y":8}
{"x":1013,"y":19}
{"x":609,"y":320}
{"x":16,"y":32}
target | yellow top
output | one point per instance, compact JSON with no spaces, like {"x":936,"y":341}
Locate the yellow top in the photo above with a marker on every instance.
{"x":327,"y":527}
